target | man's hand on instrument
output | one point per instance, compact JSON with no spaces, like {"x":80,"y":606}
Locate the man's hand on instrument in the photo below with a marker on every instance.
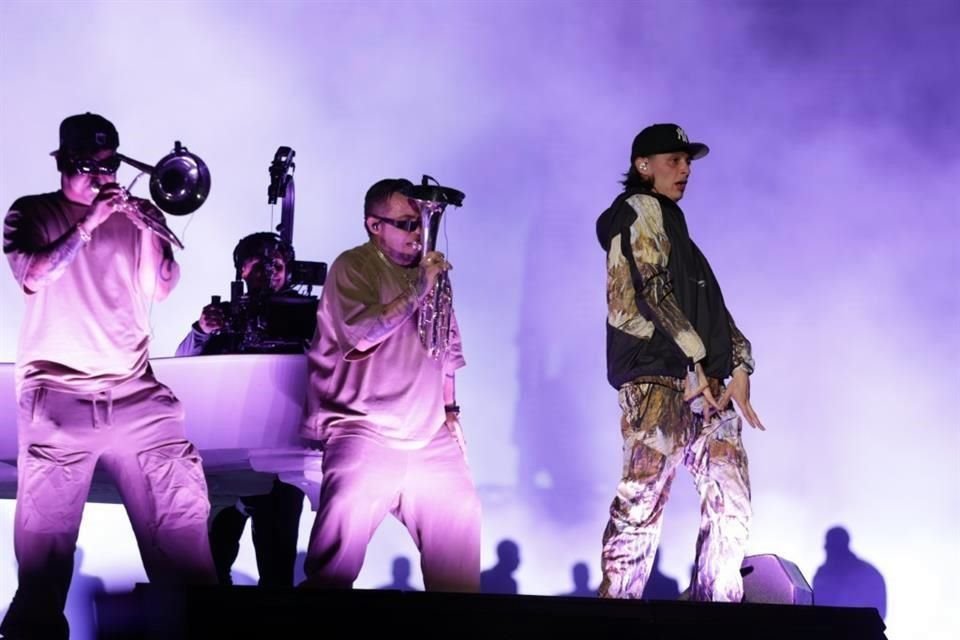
{"x":431,"y":266}
{"x":103,"y":206}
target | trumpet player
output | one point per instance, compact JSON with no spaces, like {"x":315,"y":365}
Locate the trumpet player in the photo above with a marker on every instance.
{"x":385,"y":411}
{"x":86,"y":392}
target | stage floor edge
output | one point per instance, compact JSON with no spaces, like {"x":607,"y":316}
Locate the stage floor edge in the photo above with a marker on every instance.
{"x":150,"y":611}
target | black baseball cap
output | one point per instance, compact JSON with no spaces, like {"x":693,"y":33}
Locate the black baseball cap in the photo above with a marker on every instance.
{"x":665,"y":138}
{"x":85,"y":134}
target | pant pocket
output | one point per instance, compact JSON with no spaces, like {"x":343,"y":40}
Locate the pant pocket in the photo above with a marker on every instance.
{"x":31,"y":404}
{"x":175,"y":479}
{"x":54,"y":487}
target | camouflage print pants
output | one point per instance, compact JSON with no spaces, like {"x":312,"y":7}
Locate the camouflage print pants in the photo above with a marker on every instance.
{"x":660,"y":432}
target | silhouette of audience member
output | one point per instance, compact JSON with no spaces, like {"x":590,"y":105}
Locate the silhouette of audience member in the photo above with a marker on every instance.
{"x":401,"y":575}
{"x":499,"y":578}
{"x":660,"y":586}
{"x":81,"y":601}
{"x":845,"y":580}
{"x":581,"y":582}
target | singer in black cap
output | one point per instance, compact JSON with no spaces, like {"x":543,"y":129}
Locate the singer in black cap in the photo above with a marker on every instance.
{"x":677,"y":360}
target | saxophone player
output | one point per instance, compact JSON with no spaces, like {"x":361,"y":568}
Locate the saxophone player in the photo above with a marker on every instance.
{"x":384,"y":410}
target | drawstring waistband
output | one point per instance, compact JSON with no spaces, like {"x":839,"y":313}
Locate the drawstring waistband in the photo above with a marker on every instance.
{"x":107,"y":396}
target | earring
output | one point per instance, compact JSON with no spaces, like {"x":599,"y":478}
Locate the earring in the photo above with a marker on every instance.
{"x":644,"y":166}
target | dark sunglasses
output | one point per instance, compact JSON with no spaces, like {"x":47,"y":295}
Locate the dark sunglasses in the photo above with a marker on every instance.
{"x":106,"y":166}
{"x":406,"y":225}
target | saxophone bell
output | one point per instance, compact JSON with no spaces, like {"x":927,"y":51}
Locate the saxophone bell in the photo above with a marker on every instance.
{"x":434,"y":316}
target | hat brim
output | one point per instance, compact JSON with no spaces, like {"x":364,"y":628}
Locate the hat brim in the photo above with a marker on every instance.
{"x":80,"y":152}
{"x":697,"y":150}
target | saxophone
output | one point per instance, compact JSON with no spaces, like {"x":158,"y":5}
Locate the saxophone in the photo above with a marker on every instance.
{"x":436,"y":311}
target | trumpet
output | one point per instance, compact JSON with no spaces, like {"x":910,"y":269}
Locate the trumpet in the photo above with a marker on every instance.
{"x":179,"y":184}
{"x":433,"y":319}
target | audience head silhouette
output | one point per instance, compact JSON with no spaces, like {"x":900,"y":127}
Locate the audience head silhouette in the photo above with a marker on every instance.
{"x":837,"y":541}
{"x":581,"y":575}
{"x":508,"y":554}
{"x":401,"y":569}
{"x":844,"y":579}
{"x":499,"y":578}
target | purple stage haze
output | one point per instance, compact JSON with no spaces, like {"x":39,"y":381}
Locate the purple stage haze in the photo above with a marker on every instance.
{"x":827,"y":207}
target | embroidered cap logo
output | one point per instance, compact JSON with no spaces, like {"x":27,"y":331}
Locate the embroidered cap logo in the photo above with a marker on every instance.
{"x":682,"y":136}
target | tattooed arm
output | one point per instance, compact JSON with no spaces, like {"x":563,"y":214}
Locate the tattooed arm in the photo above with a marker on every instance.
{"x":377,"y":322}
{"x":386,"y":320}
{"x":38,"y":262}
{"x":49,"y":263}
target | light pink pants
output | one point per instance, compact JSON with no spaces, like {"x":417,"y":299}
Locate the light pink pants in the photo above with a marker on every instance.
{"x":429,"y":490}
{"x":136,"y":432}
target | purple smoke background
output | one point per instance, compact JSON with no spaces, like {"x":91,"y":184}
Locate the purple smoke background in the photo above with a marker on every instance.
{"x":827,"y":208}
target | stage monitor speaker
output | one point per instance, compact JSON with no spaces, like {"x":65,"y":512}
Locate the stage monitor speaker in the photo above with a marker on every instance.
{"x":772,"y":580}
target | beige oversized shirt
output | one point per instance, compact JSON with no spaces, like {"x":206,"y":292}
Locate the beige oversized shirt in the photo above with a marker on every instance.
{"x":87,"y":331}
{"x":393,"y":392}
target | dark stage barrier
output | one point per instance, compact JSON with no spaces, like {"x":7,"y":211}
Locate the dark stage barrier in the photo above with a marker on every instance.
{"x":150,"y":612}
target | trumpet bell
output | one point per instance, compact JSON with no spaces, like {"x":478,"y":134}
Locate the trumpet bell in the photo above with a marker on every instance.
{"x":180,"y":182}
